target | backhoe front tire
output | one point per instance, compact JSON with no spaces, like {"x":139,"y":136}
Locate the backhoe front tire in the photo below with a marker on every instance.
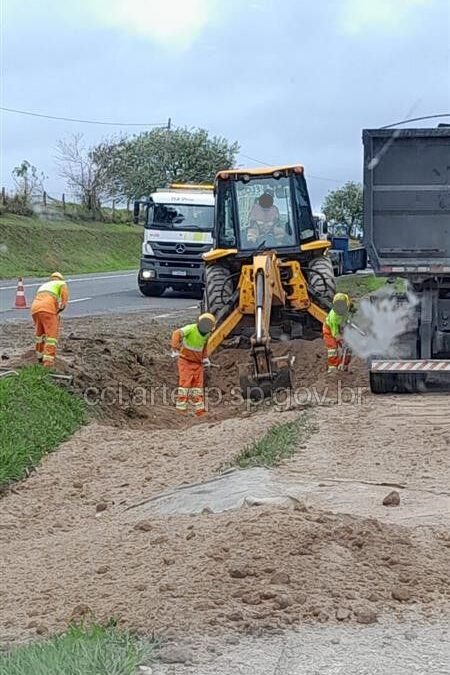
{"x":322,"y":280}
{"x":218,"y":288}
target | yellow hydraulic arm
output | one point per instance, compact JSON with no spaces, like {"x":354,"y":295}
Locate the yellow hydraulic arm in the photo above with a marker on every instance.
{"x":263,"y":277}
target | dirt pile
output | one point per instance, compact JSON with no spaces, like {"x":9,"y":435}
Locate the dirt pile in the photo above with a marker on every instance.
{"x":251,"y":570}
{"x":128,"y":379}
{"x":71,"y":549}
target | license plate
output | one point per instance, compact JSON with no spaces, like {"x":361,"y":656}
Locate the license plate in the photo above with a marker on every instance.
{"x":178,"y":273}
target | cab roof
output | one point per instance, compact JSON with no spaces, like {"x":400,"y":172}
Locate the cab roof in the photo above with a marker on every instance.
{"x":260,"y":171}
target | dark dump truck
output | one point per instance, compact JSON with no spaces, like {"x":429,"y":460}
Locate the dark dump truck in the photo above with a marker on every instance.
{"x":347,"y":259}
{"x":407,"y":234}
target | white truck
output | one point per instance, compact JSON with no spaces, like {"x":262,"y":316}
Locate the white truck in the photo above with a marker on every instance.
{"x":178,"y":223}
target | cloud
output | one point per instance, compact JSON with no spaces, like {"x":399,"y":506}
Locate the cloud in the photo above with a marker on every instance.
{"x":172,"y":23}
{"x":358,"y":16}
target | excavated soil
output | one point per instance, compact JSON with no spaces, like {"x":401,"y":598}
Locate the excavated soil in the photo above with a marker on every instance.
{"x":71,"y":548}
{"x":248,"y":570}
{"x":126,"y":375}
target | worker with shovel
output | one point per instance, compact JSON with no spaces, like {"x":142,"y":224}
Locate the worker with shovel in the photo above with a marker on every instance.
{"x":190,"y":346}
{"x":50,"y":300}
{"x":338,"y":354}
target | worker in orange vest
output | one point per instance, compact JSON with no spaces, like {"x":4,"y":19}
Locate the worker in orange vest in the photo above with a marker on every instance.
{"x":50,"y":300}
{"x":190,"y":346}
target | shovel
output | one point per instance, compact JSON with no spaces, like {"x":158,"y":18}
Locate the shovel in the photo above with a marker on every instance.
{"x":357,"y":328}
{"x":342,"y":365}
{"x":213,"y":365}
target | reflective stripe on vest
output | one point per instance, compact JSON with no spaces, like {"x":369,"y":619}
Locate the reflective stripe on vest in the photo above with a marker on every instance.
{"x":193,"y":339}
{"x":53,"y":287}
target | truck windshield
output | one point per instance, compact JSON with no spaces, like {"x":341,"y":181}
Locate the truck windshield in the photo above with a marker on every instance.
{"x":181,"y":217}
{"x":265,"y":213}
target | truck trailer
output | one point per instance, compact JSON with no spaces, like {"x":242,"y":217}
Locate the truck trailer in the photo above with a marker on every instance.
{"x":407,"y":235}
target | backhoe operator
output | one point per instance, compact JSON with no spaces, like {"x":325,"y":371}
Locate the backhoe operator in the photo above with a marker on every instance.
{"x":264,"y":223}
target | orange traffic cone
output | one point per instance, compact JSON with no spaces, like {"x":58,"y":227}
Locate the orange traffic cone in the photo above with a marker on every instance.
{"x":20,"y":302}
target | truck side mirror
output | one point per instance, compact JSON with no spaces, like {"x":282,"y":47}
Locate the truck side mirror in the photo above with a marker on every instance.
{"x":136,"y":211}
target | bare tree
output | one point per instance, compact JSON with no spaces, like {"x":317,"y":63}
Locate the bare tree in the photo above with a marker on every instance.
{"x":78,"y":167}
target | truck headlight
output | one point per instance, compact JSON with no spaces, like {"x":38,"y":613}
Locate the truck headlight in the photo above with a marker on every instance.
{"x":148,"y":274}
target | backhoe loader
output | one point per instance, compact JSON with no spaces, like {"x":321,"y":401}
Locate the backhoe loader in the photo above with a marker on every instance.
{"x":268,"y":276}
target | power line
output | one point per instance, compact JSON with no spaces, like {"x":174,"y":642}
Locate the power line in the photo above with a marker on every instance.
{"x":252,"y":159}
{"x":258,"y":161}
{"x":415,"y":119}
{"x":72,"y":119}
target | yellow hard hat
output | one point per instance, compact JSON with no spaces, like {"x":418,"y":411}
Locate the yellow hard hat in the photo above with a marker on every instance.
{"x":206,"y":323}
{"x":57,"y":275}
{"x":341,"y":303}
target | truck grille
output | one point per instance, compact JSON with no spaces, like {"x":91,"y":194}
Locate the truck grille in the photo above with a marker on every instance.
{"x":178,"y":248}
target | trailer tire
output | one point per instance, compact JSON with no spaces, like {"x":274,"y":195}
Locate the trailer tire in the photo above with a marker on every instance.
{"x":321,"y":279}
{"x":390,"y":383}
{"x":382,"y":383}
{"x":218,"y":288}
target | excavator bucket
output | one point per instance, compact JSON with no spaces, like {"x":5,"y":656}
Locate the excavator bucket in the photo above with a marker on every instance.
{"x":265,"y":374}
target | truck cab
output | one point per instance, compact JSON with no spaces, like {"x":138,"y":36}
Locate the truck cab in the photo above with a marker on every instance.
{"x":178,"y":224}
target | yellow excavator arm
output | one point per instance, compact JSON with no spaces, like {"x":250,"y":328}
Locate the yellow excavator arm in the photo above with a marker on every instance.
{"x":260,"y":288}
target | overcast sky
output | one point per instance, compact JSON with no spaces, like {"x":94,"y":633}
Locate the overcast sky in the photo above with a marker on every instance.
{"x":291,"y":80}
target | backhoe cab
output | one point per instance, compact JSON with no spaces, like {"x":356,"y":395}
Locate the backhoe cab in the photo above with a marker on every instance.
{"x":268,"y":275}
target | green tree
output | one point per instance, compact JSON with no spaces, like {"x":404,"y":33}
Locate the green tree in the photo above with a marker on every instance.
{"x":134,"y":167}
{"x":345,"y":206}
{"x":29,"y":181}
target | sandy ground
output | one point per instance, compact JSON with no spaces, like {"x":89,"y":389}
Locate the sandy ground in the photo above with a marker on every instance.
{"x":390,"y":647}
{"x":71,"y":547}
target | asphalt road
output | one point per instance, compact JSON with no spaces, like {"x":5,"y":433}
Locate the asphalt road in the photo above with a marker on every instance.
{"x":108,"y":293}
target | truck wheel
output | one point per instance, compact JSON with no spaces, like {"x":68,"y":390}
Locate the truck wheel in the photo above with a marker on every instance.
{"x":321,"y":279}
{"x":197,"y":293}
{"x":218,"y":288}
{"x":152,"y":290}
{"x":382,"y":383}
{"x":387,"y":383}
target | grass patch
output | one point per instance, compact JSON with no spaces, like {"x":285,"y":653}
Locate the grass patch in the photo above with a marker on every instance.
{"x":280,"y":442}
{"x":359,"y":285}
{"x":80,"y":651}
{"x":35,"y":246}
{"x":35,"y":417}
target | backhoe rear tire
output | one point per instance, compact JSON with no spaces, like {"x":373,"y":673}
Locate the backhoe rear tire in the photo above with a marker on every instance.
{"x":322,"y":280}
{"x":218,"y":288}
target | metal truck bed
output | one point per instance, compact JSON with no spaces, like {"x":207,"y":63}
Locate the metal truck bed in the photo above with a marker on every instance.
{"x":407,"y":200}
{"x":407,"y":234}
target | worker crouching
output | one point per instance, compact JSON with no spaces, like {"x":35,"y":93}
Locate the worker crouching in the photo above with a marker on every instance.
{"x":338,"y":355}
{"x":50,"y":300}
{"x":190,"y":345}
